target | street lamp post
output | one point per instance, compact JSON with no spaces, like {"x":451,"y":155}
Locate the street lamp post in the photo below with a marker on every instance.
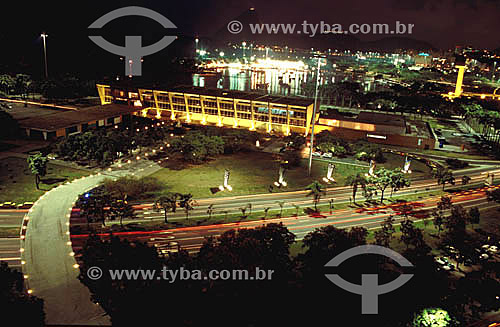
{"x":44,"y":36}
{"x":196,"y":41}
{"x":314,"y":115}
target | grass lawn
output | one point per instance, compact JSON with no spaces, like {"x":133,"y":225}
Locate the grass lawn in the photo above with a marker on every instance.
{"x":442,"y":124}
{"x":250,"y":173}
{"x":17,"y":184}
{"x":253,"y":172}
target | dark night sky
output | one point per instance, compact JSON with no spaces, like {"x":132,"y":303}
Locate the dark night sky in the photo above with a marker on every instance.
{"x":443,"y":23}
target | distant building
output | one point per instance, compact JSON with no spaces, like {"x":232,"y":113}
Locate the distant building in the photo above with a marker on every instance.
{"x":265,"y":113}
{"x":198,"y":105}
{"x":65,"y":123}
{"x":378,"y":128}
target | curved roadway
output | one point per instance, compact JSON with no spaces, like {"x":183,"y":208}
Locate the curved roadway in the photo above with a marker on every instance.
{"x":49,"y":261}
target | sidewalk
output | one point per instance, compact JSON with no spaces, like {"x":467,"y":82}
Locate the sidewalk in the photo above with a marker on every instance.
{"x":48,"y":258}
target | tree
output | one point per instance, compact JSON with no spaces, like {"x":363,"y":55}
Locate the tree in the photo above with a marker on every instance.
{"x":22,"y":84}
{"x":411,"y":235}
{"x":166,"y":202}
{"x":243,"y":211}
{"x":210,"y":211}
{"x":7,"y":83}
{"x":116,"y":296}
{"x":354,"y":181}
{"x":465,"y":179}
{"x":38,"y":165}
{"x":369,"y":191}
{"x":384,"y":236}
{"x":444,"y":204}
{"x":381,"y":181}
{"x":249,"y":205}
{"x":438,"y":220}
{"x":330,"y":203}
{"x":186,"y":201}
{"x":398,"y":181}
{"x":433,"y":317}
{"x":265,"y":212}
{"x":456,"y":224}
{"x":316,"y":191}
{"x":281,"y":204}
{"x":326,"y":242}
{"x":474,"y":215}
{"x":444,"y":176}
{"x":297,"y":208}
{"x":121,"y":209}
{"x":15,"y":300}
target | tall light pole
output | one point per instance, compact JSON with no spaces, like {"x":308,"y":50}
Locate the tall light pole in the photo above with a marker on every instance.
{"x":196,"y":41}
{"x":44,"y":36}
{"x":314,"y":115}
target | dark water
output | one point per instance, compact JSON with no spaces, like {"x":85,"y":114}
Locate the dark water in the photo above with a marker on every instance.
{"x":272,"y":81}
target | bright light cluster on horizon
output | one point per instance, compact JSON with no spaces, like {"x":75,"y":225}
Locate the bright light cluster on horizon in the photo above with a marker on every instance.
{"x":260,"y":64}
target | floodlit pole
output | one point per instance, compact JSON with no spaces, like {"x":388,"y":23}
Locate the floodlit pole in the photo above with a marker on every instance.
{"x":314,"y":115}
{"x":44,"y":36}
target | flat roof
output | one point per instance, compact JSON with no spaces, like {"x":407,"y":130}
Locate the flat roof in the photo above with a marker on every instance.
{"x":252,"y":96}
{"x":368,"y":117}
{"x":60,"y":120}
{"x":381,"y":118}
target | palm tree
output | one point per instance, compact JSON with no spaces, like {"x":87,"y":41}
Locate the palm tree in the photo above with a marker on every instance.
{"x":210,"y":211}
{"x":316,"y":190}
{"x":250,"y":208}
{"x":265,"y":212}
{"x":355,"y":181}
{"x":330,"y":202}
{"x":186,"y":201}
{"x":166,"y":203}
{"x":297,"y":207}
{"x":243,"y":211}
{"x":281,"y":204}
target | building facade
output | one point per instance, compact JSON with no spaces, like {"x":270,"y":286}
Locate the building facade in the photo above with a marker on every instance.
{"x":281,"y":115}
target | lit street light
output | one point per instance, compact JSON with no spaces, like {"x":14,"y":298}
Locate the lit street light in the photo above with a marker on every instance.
{"x":44,"y":36}
{"x":314,"y":114}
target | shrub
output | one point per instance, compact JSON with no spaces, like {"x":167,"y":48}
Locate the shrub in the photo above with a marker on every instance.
{"x":362,"y":156}
{"x":135,"y":188}
{"x":456,"y":163}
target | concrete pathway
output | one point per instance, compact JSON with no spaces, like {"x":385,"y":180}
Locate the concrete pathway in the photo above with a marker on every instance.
{"x":48,"y":261}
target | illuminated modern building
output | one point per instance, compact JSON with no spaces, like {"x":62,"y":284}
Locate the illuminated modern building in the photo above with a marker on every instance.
{"x":265,"y":113}
{"x":197,"y":105}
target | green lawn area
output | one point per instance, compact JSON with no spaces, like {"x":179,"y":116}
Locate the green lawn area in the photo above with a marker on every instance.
{"x":253,"y":172}
{"x":17,"y":184}
{"x":250,"y":173}
{"x":441,"y":124}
